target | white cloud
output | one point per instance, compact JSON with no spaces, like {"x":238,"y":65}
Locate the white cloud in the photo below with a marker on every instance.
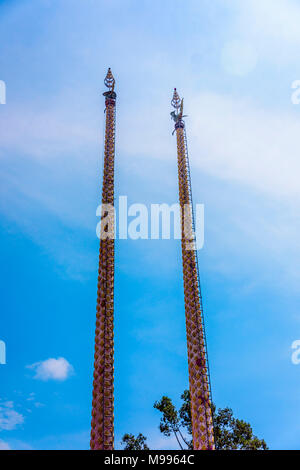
{"x":272,"y":26}
{"x":52,"y":369}
{"x":31,"y":396}
{"x":45,"y":133}
{"x":9,"y":418}
{"x":37,"y":404}
{"x":32,"y":400}
{"x":272,"y":18}
{"x":238,"y":57}
{"x":4,"y":445}
{"x":236,"y":140}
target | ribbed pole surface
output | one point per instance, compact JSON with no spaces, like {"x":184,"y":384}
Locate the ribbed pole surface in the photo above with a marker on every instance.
{"x":102,"y":430}
{"x":202,"y":425}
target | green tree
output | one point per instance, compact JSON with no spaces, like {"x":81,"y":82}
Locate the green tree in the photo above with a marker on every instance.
{"x":134,"y":443}
{"x":234,"y":434}
{"x":170,"y":421}
{"x":230,"y":433}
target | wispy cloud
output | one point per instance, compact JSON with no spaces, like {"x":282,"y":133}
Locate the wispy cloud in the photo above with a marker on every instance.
{"x":271,"y":27}
{"x":9,"y":418}
{"x":4,"y":445}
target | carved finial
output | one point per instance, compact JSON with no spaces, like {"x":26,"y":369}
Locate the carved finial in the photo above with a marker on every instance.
{"x":176,"y":101}
{"x":109,"y":80}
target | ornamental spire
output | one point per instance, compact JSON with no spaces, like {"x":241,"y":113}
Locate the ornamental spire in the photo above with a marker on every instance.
{"x":109,"y":80}
{"x":176,"y":101}
{"x":102,"y":426}
{"x":199,"y":380}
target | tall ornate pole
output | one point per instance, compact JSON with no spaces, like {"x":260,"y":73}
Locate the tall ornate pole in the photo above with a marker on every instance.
{"x":202,"y":424}
{"x":102,"y":431}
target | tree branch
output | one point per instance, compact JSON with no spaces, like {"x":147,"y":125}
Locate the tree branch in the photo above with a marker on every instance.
{"x":183,"y":438}
{"x":173,"y":429}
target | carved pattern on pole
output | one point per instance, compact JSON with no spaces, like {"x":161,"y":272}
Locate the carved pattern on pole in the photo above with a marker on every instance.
{"x":202,"y":424}
{"x":102,"y":426}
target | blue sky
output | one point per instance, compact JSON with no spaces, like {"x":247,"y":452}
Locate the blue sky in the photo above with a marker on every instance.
{"x":234,"y":62}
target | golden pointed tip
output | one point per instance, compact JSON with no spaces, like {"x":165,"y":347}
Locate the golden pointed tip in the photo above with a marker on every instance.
{"x":109,"y":79}
{"x":176,"y":101}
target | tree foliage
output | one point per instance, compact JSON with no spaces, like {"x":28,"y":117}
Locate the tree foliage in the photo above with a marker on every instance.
{"x":130,"y":442}
{"x":234,"y":434}
{"x":170,"y":420}
{"x":230,"y":433}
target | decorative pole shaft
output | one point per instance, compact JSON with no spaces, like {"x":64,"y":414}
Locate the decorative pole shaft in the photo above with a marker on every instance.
{"x":202,"y":424}
{"x":102,"y":430}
